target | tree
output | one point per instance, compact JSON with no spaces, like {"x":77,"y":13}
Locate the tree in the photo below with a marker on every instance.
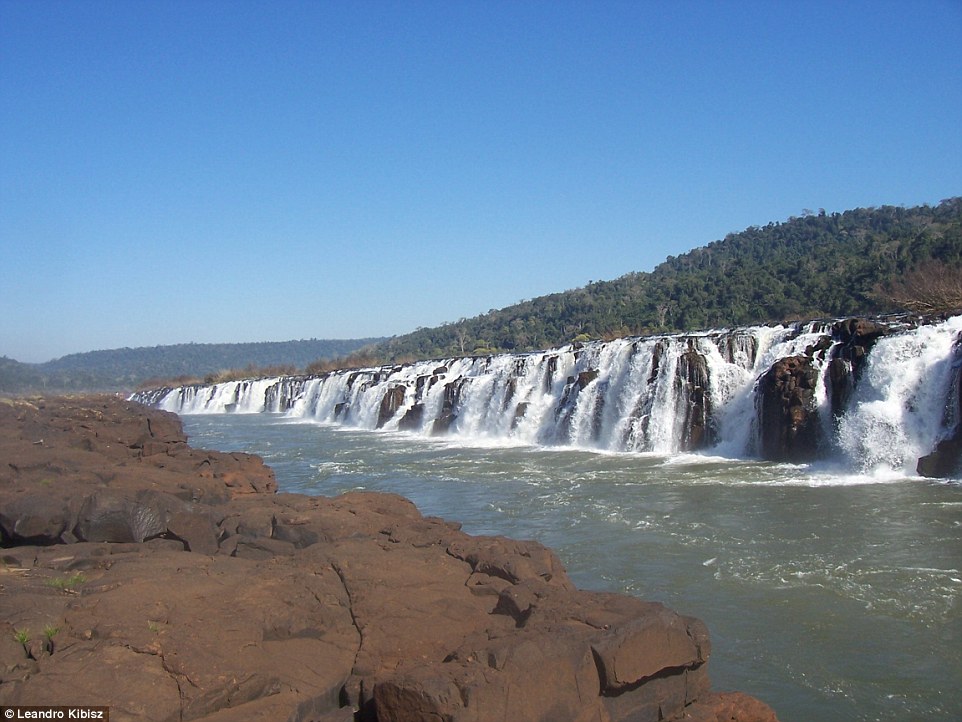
{"x":932,"y":287}
{"x":463,"y":334}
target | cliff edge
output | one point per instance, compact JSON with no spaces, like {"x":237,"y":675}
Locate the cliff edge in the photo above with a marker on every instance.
{"x":170,"y":583}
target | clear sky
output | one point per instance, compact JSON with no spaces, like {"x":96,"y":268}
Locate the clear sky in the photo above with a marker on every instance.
{"x":210,"y":170}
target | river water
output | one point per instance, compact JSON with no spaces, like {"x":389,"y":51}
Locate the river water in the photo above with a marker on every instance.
{"x":828,"y":595}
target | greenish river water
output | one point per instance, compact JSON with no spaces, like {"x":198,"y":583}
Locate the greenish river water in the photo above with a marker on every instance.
{"x":829,"y":596}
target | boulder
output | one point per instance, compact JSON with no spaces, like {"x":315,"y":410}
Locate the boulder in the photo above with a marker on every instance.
{"x":728,"y":707}
{"x":786,"y":411}
{"x":412,"y":418}
{"x":108,"y":516}
{"x":945,"y":460}
{"x":524,"y":678}
{"x":511,"y":560}
{"x":392,"y":401}
{"x":35,"y":519}
{"x":575,"y":656}
{"x":648,"y":645}
{"x":113,"y":517}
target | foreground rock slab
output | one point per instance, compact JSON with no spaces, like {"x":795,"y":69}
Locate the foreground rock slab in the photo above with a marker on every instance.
{"x":171,"y":583}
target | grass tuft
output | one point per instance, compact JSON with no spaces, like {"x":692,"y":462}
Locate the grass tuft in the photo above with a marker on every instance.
{"x":50,"y":631}
{"x":67,"y":584}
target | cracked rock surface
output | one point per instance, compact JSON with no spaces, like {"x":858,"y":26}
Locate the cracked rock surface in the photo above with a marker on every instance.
{"x":171,"y":583}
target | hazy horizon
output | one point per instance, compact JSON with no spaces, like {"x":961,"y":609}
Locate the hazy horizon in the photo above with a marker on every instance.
{"x":194,"y":343}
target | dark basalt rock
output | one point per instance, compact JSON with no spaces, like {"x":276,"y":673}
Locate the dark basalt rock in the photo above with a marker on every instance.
{"x":787,"y":415}
{"x":391,"y":402}
{"x":449,"y":407}
{"x":564,"y":412}
{"x":946,"y":459}
{"x":413,"y":418}
{"x":855,"y":337}
{"x":693,"y":379}
{"x":586,"y":377}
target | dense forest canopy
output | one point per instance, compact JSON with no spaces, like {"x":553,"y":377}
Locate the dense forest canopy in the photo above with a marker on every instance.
{"x":863,"y":261}
{"x":819,"y":265}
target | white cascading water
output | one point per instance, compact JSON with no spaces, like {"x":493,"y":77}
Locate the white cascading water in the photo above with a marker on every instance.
{"x":899,"y":409}
{"x":633,"y":394}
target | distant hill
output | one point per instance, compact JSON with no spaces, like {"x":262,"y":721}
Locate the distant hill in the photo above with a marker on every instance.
{"x":126,"y":368}
{"x":819,"y":265}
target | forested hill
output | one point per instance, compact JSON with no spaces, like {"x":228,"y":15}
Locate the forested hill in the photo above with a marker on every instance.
{"x":126,"y":368}
{"x":819,"y":265}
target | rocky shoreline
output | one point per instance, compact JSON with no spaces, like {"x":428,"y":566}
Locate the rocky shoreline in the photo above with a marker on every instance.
{"x":171,"y":583}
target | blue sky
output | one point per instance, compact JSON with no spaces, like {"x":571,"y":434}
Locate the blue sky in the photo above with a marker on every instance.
{"x":211,"y":171}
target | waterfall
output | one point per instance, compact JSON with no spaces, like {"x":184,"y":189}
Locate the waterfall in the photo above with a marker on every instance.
{"x":898,"y":410}
{"x":875,"y":393}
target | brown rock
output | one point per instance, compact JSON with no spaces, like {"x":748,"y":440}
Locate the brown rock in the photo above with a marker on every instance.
{"x":509,"y":559}
{"x":647,"y":645}
{"x":134,"y":685}
{"x":193,"y":652}
{"x":541,"y":678}
{"x":729,"y":707}
{"x":35,"y":519}
{"x":170,"y":583}
{"x":195,"y":529}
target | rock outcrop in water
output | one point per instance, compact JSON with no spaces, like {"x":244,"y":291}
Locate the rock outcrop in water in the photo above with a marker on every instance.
{"x":787,"y":410}
{"x":946,"y":459}
{"x":173,"y":584}
{"x":854,"y":339}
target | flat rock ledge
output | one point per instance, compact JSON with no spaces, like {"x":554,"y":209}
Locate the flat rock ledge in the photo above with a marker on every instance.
{"x":171,"y":583}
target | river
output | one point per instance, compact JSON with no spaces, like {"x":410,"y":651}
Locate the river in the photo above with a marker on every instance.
{"x":829,"y":595}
